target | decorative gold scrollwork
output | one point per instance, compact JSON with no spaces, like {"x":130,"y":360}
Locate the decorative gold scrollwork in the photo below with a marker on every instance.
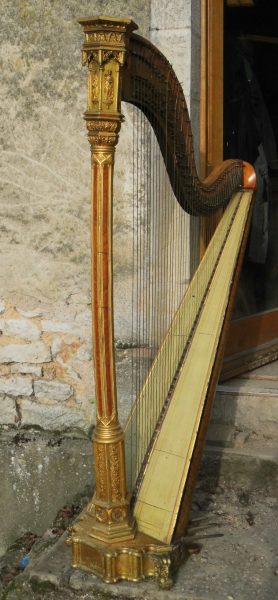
{"x":119,"y":514}
{"x":101,"y":471}
{"x":162,"y":571}
{"x":103,"y":125}
{"x":115,"y":468}
{"x":103,"y":133}
{"x":101,"y":514}
{"x":104,"y":36}
{"x":110,"y":515}
{"x":102,"y":140}
{"x":100,"y":57}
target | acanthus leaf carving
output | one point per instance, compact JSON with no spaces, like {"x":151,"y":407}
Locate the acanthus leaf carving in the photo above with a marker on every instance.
{"x":99,"y":140}
{"x":103,"y":125}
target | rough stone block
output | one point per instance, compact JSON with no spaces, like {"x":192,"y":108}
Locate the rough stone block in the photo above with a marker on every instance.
{"x":22,"y":328}
{"x":16,"y":386}
{"x":5,"y":370}
{"x":27,"y":370}
{"x":52,"y":390}
{"x":37,"y":352}
{"x":55,"y":417}
{"x":84,"y":353}
{"x":85,"y":316}
{"x":61,"y":327}
{"x":56,"y":345}
{"x":7,"y":411}
{"x":169,"y":15}
{"x":37,"y":312}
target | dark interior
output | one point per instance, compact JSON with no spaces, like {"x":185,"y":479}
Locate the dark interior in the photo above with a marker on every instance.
{"x":251,"y":133}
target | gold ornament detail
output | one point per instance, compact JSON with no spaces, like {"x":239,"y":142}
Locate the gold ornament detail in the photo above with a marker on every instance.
{"x":108,"y":88}
{"x":95,"y":87}
{"x":162,"y":571}
{"x":100,"y":57}
{"x":101,"y":514}
{"x":103,"y":133}
{"x":100,"y":471}
{"x":102,"y":158}
{"x":114,"y":450}
{"x":100,"y":140}
{"x":107,"y":420}
{"x":104,"y":36}
{"x":110,"y":515}
{"x":116,"y":55}
{"x":119,"y":514}
{"x":103,"y":125}
{"x":107,"y":23}
{"x":89,"y":56}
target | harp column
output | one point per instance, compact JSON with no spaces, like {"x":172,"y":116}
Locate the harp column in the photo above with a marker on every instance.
{"x":104,"y":52}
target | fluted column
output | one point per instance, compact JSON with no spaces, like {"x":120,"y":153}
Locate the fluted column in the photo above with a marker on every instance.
{"x":104,"y":52}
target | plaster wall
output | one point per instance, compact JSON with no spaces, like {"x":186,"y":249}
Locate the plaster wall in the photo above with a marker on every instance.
{"x":46,"y":375}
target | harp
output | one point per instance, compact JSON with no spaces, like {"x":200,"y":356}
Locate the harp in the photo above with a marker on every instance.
{"x":122,"y":536}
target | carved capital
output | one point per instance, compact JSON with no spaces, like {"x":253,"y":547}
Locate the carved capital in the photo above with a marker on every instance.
{"x":104,"y":50}
{"x":102,"y":131}
{"x":106,"y":33}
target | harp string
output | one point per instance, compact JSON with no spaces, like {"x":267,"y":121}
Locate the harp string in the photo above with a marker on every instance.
{"x":161,"y":266}
{"x":160,"y":269}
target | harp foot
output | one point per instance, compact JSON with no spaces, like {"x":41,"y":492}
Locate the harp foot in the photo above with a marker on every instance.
{"x":130,"y":560}
{"x":163,"y":572}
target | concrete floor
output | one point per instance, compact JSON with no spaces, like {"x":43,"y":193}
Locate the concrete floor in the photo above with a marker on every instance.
{"x":235,"y":524}
{"x":235,"y":503}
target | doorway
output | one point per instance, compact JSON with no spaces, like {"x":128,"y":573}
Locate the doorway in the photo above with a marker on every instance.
{"x":250,"y":132}
{"x":247,"y":97}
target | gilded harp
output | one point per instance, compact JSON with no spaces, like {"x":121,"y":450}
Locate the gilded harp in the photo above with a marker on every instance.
{"x":119,"y":536}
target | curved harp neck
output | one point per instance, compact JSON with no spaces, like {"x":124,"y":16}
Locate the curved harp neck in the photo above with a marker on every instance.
{"x":163,"y":102}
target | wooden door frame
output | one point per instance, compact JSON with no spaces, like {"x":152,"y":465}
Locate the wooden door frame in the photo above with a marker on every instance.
{"x":211,"y":88}
{"x":250,"y":350}
{"x":211,"y":100}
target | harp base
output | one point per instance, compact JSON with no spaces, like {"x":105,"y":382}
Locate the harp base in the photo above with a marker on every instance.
{"x":132,"y":560}
{"x":108,"y":522}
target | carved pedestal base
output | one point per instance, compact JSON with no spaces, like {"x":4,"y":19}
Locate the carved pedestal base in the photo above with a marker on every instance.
{"x":109,"y":522}
{"x":132,"y":560}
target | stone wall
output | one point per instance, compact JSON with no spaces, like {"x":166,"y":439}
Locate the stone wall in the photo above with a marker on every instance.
{"x":45,"y":367}
{"x":45,"y":323}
